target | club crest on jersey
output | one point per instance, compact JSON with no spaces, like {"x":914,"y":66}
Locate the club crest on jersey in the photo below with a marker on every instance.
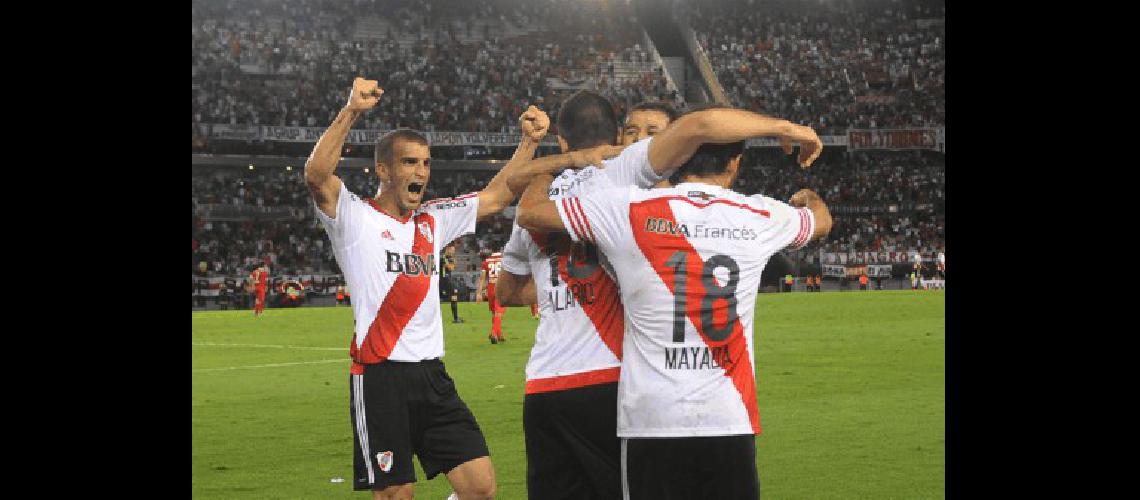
{"x":387,"y":235}
{"x":425,"y":229}
{"x":384,"y":460}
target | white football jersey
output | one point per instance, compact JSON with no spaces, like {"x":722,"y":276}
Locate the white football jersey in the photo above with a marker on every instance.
{"x":579,"y":338}
{"x":688,"y":261}
{"x":392,"y":267}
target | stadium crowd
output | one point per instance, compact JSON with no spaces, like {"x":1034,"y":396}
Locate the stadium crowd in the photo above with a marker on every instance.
{"x":257,"y":62}
{"x":861,"y":186}
{"x":291,"y":240}
{"x":831,"y":65}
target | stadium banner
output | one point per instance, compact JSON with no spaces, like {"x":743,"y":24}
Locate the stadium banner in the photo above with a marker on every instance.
{"x":834,"y":271}
{"x":772,"y":142}
{"x":879,"y":270}
{"x":234,"y":132}
{"x":855,"y":271}
{"x":318,"y":284}
{"x":887,"y":258}
{"x":361,"y":136}
{"x":894,"y":139}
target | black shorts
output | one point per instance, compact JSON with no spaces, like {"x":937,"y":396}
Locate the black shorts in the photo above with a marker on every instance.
{"x":690,"y":468}
{"x":447,"y":287}
{"x":572,"y":448}
{"x":399,"y":409}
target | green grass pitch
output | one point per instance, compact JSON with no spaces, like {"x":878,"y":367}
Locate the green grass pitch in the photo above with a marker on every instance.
{"x":851,"y":389}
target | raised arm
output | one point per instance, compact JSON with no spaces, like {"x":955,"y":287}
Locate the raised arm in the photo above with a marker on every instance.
{"x":510,"y":182}
{"x":323,"y":185}
{"x":674,"y":146}
{"x":809,"y":199}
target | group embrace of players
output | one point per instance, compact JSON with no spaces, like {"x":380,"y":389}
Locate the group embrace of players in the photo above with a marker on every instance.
{"x":644,"y":267}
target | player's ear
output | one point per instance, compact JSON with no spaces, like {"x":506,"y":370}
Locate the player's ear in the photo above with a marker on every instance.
{"x":562,"y":144}
{"x":383,"y":173}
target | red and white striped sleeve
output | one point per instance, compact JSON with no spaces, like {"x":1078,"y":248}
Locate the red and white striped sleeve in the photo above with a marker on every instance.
{"x":805,"y":229}
{"x":600,"y":216}
{"x":574,"y":217}
{"x":793,"y":227}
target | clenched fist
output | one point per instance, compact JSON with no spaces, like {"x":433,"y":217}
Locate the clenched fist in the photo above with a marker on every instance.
{"x":534,"y":123}
{"x":803,"y":197}
{"x":365,"y":94}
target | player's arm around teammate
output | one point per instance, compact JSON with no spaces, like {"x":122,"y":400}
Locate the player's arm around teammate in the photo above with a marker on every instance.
{"x":512,"y":180}
{"x":673,"y":147}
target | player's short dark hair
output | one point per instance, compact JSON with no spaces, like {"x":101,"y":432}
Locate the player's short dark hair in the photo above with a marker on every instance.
{"x":660,"y":106}
{"x":587,"y":119}
{"x":710,"y":159}
{"x":386,"y":144}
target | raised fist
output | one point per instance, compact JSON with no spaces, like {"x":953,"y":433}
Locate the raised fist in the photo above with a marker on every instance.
{"x":802,"y":198}
{"x":534,"y":123}
{"x":365,"y":94}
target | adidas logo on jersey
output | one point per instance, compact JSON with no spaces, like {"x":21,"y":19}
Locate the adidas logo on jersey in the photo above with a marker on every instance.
{"x":387,"y":235}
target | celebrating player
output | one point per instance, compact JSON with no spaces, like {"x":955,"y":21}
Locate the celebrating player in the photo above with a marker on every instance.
{"x":569,"y":411}
{"x":403,"y":401}
{"x":688,"y":261}
{"x":572,"y":449}
{"x":492,"y":262}
{"x":646,"y":120}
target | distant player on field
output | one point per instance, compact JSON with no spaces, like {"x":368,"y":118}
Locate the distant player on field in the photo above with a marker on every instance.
{"x":488,"y":276}
{"x":403,"y":401}
{"x":260,"y":278}
{"x":672,"y":384}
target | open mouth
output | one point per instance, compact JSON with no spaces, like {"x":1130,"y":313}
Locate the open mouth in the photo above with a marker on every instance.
{"x":416,"y":188}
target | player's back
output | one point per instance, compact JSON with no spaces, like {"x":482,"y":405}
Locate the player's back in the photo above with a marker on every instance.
{"x":688,"y":261}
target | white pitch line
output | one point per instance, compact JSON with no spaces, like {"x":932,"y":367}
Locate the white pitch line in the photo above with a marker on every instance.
{"x":274,"y":365}
{"x":209,"y":344}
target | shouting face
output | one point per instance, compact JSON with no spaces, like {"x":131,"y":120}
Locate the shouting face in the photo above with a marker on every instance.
{"x":404,"y":175}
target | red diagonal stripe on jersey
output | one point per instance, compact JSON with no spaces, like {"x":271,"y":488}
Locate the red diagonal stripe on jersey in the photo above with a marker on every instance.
{"x":401,"y":303}
{"x":598,"y":296}
{"x":658,"y":248}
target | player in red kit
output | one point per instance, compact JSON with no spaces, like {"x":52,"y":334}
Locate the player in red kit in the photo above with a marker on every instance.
{"x":260,"y":279}
{"x":490,"y":276}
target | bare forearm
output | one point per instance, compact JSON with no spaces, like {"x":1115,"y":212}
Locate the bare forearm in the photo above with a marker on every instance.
{"x":536,"y":211}
{"x":509,"y":175}
{"x":730,"y":125}
{"x":326,"y":153}
{"x":674,"y":146}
